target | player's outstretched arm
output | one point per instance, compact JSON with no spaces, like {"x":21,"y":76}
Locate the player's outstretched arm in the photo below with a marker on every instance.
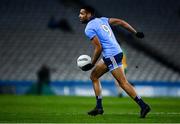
{"x":124,"y":24}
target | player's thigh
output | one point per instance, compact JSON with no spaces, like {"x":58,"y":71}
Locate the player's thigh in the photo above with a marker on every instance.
{"x":119,"y":75}
{"x":99,"y":69}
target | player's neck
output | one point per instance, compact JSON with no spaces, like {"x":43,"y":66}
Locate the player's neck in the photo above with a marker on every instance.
{"x":91,"y":18}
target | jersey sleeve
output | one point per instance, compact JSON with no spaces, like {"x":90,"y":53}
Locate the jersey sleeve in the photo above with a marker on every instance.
{"x":105,"y":19}
{"x":90,"y":32}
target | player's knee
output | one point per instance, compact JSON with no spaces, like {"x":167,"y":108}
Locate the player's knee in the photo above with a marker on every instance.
{"x":93,"y":77}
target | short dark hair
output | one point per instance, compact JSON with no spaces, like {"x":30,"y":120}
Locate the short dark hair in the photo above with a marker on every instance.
{"x":89,"y":9}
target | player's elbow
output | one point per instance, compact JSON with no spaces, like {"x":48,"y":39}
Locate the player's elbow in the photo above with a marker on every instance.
{"x":116,"y":21}
{"x":123,"y":23}
{"x":98,"y":48}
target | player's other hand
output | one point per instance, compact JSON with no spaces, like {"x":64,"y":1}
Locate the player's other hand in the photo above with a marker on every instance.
{"x":140,"y":35}
{"x":87,"y":67}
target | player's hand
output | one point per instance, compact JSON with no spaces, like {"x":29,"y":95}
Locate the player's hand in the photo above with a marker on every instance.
{"x":140,"y":35}
{"x":87,"y":67}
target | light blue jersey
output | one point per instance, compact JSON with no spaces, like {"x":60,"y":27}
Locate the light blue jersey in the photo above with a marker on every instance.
{"x":100,"y":27}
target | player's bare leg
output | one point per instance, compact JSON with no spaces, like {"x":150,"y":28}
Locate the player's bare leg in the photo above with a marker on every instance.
{"x":120,"y":90}
{"x":119,"y":75}
{"x":99,"y":69}
{"x":97,"y":72}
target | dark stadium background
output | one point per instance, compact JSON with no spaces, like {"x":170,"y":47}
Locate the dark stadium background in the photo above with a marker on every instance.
{"x":28,"y":40}
{"x":46,"y":35}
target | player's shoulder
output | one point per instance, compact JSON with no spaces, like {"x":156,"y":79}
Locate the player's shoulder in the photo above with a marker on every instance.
{"x":91,"y":24}
{"x":93,"y":21}
{"x":96,"y":21}
{"x":104,"y":18}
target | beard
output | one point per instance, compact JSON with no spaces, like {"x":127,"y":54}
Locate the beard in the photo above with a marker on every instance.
{"x":87,"y":20}
{"x":84,"y":21}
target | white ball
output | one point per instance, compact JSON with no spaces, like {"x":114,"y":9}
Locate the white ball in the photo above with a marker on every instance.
{"x":83,"y":60}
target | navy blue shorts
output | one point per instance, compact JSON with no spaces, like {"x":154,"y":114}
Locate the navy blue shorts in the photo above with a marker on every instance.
{"x":114,"y":61}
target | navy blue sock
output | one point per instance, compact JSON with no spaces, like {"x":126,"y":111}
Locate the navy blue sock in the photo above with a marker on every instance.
{"x":99,"y":102}
{"x":140,"y":102}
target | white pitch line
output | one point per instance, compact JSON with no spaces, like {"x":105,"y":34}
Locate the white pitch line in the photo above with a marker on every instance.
{"x":152,"y":113}
{"x":167,"y":113}
{"x":132,"y":113}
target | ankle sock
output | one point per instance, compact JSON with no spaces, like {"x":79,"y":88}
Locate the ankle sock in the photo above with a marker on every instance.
{"x":99,"y":102}
{"x":140,"y":102}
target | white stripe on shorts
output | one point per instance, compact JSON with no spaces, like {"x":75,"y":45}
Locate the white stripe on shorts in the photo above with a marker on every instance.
{"x":115,"y":65}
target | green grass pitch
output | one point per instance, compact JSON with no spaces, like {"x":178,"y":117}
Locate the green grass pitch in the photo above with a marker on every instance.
{"x":73,"y":109}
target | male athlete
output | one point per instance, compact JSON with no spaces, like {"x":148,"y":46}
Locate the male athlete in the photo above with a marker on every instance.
{"x":98,"y":30}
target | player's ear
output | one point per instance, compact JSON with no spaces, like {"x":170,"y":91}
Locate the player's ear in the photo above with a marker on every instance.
{"x":88,"y":15}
